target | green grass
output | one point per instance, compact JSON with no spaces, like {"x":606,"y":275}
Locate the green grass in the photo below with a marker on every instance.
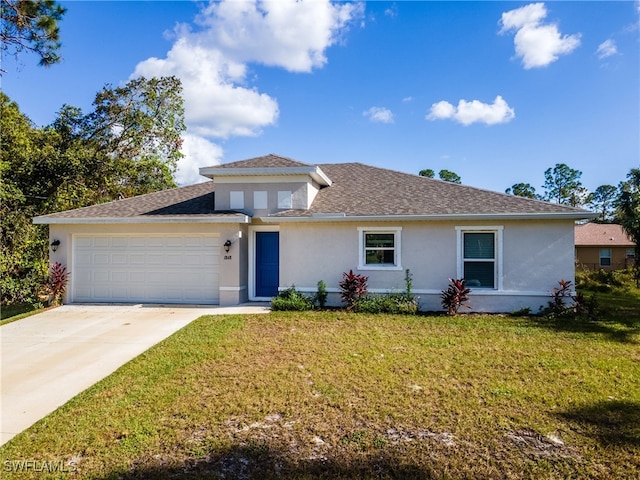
{"x":338,"y":395}
{"x":11,"y":313}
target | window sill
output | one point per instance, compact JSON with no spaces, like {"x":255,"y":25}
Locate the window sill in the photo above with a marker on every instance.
{"x":392,"y":268}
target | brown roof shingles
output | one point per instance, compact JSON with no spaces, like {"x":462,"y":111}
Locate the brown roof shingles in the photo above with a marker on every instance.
{"x":362,"y":190}
{"x":601,"y":235}
{"x":357,"y":190}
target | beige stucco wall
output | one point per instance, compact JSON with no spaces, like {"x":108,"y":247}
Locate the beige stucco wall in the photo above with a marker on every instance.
{"x":536,"y":255}
{"x":589,"y":257}
{"x":233,"y":265}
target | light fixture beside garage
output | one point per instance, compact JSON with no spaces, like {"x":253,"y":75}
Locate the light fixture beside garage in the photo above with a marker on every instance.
{"x":227,"y":246}
{"x":54,"y":245}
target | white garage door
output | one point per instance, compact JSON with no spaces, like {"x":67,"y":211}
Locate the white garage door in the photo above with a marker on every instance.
{"x":146,"y":269}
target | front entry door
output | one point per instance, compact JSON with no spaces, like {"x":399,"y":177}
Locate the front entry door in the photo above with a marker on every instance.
{"x":267,"y":264}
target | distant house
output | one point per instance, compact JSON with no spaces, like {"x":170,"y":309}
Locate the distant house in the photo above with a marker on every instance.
{"x":603,"y":245}
{"x":267,"y":223}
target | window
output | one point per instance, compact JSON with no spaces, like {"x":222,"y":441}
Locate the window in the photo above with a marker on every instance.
{"x":478,"y":256}
{"x":605,"y":257}
{"x":260,"y":200}
{"x":631,"y":253}
{"x":379,"y":248}
{"x":236,"y":200}
{"x":284,"y":199}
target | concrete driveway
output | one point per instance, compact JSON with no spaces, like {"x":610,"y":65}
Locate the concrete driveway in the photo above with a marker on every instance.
{"x":49,"y":358}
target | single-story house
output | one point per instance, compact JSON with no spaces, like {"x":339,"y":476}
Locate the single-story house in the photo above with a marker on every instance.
{"x":271,"y":222}
{"x":603,"y":245}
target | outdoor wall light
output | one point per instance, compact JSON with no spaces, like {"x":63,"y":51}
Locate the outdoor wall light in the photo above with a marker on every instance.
{"x":54,"y":245}
{"x":227,"y":246}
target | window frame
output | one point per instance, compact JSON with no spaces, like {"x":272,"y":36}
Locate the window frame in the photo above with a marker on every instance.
{"x":497,"y":231}
{"x":285,"y":199}
{"x":260,"y":200}
{"x":609,"y":257}
{"x":397,"y":242}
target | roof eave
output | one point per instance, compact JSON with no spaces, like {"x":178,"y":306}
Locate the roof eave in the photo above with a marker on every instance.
{"x":341,"y":217}
{"x":44,"y":220}
{"x":313,"y":171}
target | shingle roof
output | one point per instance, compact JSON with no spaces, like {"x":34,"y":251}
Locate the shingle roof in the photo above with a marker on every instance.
{"x":266,"y":161}
{"x":362,"y":190}
{"x":192,"y":201}
{"x":357,"y":190}
{"x":601,"y":235}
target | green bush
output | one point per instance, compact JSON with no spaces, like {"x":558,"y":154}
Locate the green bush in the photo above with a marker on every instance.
{"x":395,"y":303}
{"x":291,"y":300}
{"x":604,"y":281}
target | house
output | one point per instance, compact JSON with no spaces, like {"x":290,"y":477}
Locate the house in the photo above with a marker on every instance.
{"x":603,"y":245}
{"x":271,"y":222}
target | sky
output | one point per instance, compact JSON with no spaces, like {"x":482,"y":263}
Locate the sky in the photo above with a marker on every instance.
{"x":497,"y":92}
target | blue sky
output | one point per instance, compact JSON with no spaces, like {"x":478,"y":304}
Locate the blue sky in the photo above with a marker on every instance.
{"x":495,"y":91}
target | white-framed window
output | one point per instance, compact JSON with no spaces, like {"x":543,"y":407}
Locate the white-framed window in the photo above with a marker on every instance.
{"x":284,"y":199}
{"x":480,"y":256}
{"x":379,"y":248}
{"x":236,"y":200}
{"x":260,"y":200}
{"x":605,"y":257}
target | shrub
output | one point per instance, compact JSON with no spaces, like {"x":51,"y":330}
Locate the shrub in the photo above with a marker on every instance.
{"x":455,"y":296}
{"x":56,"y":284}
{"x":291,"y":300}
{"x":559,"y":306}
{"x":394,"y":303}
{"x":321,"y":295}
{"x":353,"y":287}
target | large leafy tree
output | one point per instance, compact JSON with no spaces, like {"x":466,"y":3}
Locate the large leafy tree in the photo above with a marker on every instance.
{"x":602,"y":200}
{"x":128,"y":145}
{"x":628,"y":212}
{"x":32,"y":26}
{"x":522,"y":190}
{"x":562,"y":185}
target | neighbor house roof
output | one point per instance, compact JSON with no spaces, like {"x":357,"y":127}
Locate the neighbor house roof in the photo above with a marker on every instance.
{"x":601,"y":235}
{"x":192,"y":203}
{"x":351,"y":191}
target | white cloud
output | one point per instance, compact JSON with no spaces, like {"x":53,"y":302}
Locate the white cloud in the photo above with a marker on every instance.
{"x":211,"y":59}
{"x":379,"y":115}
{"x":537,"y":44}
{"x":198,"y":152}
{"x":474,"y":111}
{"x":606,"y":49}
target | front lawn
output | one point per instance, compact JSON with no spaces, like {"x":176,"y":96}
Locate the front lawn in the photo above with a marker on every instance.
{"x":338,"y":395}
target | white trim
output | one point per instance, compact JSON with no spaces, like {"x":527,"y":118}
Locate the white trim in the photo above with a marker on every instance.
{"x":312,"y":171}
{"x":342,"y":217}
{"x":397,"y":242}
{"x":238,"y":218}
{"x":252,"y":259}
{"x":233,"y":289}
{"x":497,"y":230}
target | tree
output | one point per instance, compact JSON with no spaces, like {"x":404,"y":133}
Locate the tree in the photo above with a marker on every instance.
{"x":563,"y":186}
{"x":449,"y":176}
{"x":522,"y":190}
{"x":427,"y":172}
{"x":129,"y":145}
{"x":628,"y":213}
{"x":602,"y":200}
{"x":31,"y":25}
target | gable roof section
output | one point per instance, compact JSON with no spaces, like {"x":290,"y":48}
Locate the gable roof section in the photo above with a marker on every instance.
{"x":601,"y":235}
{"x":192,"y":203}
{"x":266,"y":161}
{"x":364,"y":191}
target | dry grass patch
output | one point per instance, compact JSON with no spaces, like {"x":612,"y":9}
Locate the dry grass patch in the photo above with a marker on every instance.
{"x":336,"y":395}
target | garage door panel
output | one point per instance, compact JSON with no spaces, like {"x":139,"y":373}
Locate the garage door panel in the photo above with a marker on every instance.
{"x":165,"y":269}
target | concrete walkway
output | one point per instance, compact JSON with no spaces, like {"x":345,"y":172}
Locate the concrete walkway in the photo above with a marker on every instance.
{"x":49,"y":358}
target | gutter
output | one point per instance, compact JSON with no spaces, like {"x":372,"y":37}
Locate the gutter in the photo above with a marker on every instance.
{"x":342,"y":217}
{"x":44,"y":220}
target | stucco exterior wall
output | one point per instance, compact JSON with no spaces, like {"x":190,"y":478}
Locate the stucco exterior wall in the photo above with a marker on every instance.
{"x":535,"y":256}
{"x":302,"y":194}
{"x":589,"y":257}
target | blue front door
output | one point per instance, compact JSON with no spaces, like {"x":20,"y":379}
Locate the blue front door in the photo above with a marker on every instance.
{"x":267,"y":264}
